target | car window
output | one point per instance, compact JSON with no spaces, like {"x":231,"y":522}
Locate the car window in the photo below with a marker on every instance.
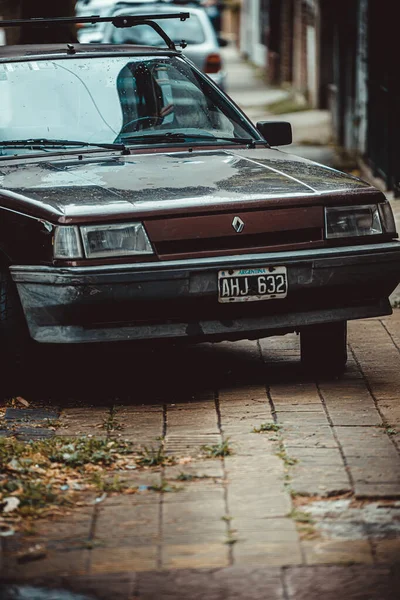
{"x":104,"y":99}
{"x":192,"y":32}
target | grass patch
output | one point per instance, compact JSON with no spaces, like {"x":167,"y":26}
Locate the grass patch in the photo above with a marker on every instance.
{"x":189,"y":477}
{"x":231,"y":539}
{"x":164,"y":487}
{"x":39,"y":476}
{"x":103,"y":484}
{"x":266,"y":427}
{"x":288,"y":460}
{"x":300,"y":516}
{"x":217,"y":450}
{"x":226,"y":518}
{"x":154,"y":457}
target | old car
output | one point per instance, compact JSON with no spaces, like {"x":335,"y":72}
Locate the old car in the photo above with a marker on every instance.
{"x":138,"y":203}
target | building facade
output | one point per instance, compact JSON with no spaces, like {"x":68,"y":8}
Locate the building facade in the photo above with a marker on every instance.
{"x":342,"y":55}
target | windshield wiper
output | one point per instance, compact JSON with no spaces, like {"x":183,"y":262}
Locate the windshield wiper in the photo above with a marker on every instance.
{"x":37,"y":143}
{"x":183,"y":137}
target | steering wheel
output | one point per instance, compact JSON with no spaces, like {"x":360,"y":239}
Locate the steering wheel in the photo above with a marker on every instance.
{"x":137,"y":121}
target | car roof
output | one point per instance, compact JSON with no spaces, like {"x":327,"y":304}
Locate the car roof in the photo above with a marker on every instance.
{"x":37,"y":51}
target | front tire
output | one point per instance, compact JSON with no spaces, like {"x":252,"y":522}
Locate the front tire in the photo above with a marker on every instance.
{"x":324,"y":349}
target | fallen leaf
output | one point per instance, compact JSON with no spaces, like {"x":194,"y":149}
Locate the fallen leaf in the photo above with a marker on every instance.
{"x":11,"y":503}
{"x":22,"y":401}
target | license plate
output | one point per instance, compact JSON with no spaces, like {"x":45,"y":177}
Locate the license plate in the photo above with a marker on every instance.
{"x":248,"y":285}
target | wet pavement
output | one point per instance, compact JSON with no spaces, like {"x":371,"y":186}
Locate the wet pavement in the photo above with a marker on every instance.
{"x":312,"y":484}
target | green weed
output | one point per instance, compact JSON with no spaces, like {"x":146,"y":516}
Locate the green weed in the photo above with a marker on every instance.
{"x":217,"y":450}
{"x":266,"y":427}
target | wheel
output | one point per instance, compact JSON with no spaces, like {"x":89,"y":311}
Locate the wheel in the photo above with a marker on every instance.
{"x":14,"y":338}
{"x":324,"y":348}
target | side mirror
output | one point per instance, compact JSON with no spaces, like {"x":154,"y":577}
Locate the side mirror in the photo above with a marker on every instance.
{"x":276,"y":133}
{"x":222,"y":42}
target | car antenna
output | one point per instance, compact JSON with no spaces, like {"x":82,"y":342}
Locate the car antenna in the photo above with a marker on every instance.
{"x":119,"y":22}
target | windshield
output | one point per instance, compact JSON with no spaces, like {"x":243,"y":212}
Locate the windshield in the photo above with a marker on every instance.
{"x":111,"y":99}
{"x":192,"y":33}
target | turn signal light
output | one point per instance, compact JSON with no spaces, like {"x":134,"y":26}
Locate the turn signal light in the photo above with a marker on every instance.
{"x":213,"y":63}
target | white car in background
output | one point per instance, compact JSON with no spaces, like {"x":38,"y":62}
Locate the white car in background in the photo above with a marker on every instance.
{"x":203,"y":45}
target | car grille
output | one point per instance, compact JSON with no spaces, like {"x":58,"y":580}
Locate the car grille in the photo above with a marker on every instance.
{"x":248,"y":242}
{"x":210,"y":234}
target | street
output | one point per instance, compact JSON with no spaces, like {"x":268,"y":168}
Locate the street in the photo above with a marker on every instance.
{"x":269,"y":484}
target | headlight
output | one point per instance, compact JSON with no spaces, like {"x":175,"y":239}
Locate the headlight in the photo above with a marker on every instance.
{"x":352,"y":221}
{"x":101,"y":241}
{"x":67,"y":243}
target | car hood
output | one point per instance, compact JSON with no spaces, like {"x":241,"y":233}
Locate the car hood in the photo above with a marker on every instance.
{"x":100,"y":186}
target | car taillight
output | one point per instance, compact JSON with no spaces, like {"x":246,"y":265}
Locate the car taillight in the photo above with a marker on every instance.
{"x":213,"y":63}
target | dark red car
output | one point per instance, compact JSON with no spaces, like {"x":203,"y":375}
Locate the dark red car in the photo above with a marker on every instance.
{"x":139,"y":203}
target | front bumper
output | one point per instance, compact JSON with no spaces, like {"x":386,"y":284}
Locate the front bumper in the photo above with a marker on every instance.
{"x":178,"y":299}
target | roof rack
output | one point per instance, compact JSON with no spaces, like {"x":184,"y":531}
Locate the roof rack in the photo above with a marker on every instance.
{"x":120,"y":22}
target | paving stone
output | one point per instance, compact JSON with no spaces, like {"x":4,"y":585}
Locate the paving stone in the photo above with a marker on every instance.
{"x":375,"y":470}
{"x":377,"y":490}
{"x":115,"y":559}
{"x":314,"y":479}
{"x":252,"y":529}
{"x":298,"y":407}
{"x":337,"y":551}
{"x":188,"y":444}
{"x":140,"y":424}
{"x":104,"y":586}
{"x":366,"y":442}
{"x":76,"y":422}
{"x":185,"y":521}
{"x":391,"y":411}
{"x":127,"y":524}
{"x":309,"y":487}
{"x":32,"y":433}
{"x":249,"y":445}
{"x":66,"y":562}
{"x":31,"y":414}
{"x":197,"y":468}
{"x":248,"y":583}
{"x":233,"y":583}
{"x":237,"y":465}
{"x":344,"y":582}
{"x":387,"y":551}
{"x":67,"y":530}
{"x":302,"y":418}
{"x":318,"y":456}
{"x":195,"y":556}
{"x":302,"y":394}
{"x":195,"y":416}
{"x":355,"y":417}
{"x":246,"y":393}
{"x":205,"y":492}
{"x":274,"y":505}
{"x":308,"y":436}
{"x":267,"y":554}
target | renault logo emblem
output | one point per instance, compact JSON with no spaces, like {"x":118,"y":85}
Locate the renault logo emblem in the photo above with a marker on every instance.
{"x":238,"y":224}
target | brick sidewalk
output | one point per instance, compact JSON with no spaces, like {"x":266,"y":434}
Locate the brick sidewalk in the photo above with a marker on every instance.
{"x":318,"y":491}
